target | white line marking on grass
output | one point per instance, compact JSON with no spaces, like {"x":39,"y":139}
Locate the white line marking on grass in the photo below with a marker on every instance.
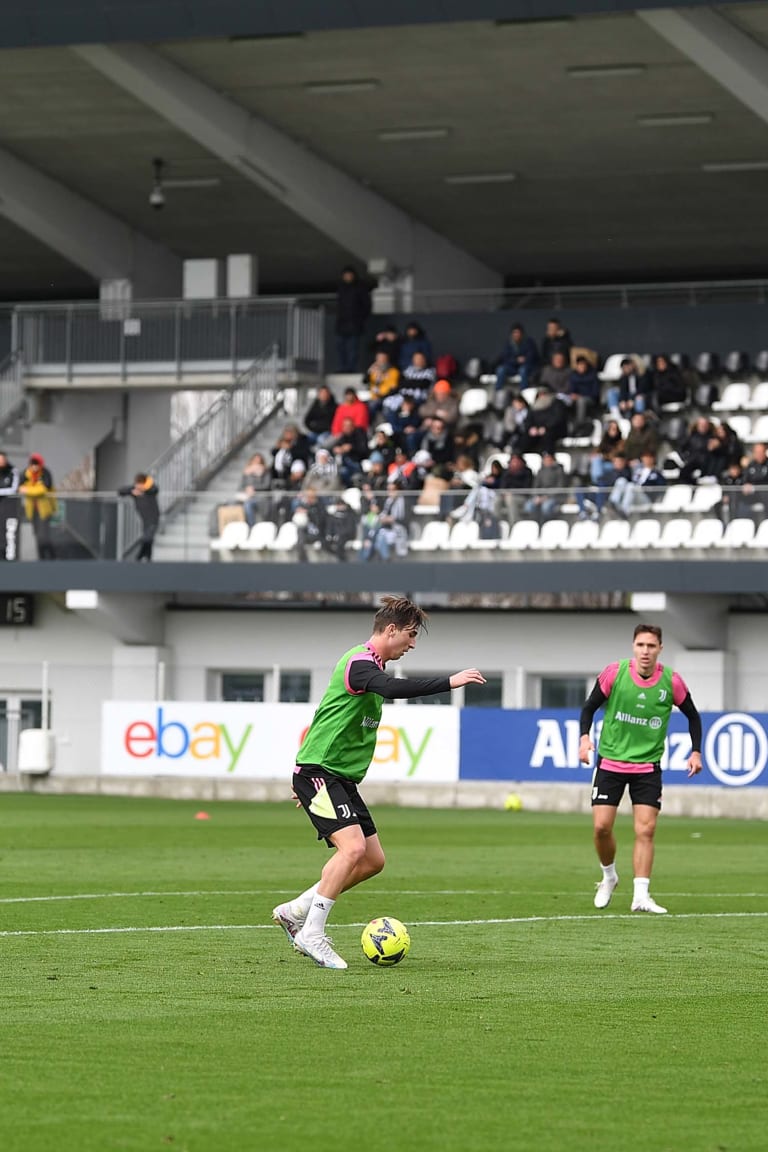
{"x":273,"y":892}
{"x":361,"y":924}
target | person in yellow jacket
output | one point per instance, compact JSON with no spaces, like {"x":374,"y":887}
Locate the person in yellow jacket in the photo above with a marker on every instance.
{"x":40,"y":503}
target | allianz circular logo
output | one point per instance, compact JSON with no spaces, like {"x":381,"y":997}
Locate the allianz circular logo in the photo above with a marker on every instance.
{"x":655,"y":722}
{"x":736,"y":749}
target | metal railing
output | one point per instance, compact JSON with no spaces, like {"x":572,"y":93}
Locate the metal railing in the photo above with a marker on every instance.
{"x":179,"y":338}
{"x":522,"y":523}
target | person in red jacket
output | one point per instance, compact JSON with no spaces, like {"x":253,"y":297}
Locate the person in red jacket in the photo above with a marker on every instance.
{"x":353,"y":407}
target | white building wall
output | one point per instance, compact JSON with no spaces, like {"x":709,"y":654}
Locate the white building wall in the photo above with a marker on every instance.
{"x":87,"y":665}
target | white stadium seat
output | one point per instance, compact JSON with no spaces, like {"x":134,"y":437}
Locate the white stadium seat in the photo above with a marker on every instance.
{"x":674,"y":534}
{"x":612,"y":367}
{"x":676,"y":497}
{"x":553,"y":534}
{"x":261,"y":536}
{"x":706,"y":534}
{"x":643,"y":534}
{"x":760,"y":538}
{"x":758,"y":401}
{"x":233,"y":535}
{"x":613,"y":534}
{"x":759,"y":432}
{"x":433,"y":538}
{"x":473,"y":401}
{"x":286,"y":538}
{"x":742,"y":426}
{"x":704,"y":498}
{"x":734,"y":398}
{"x":583,"y":535}
{"x":522,"y":536}
{"x":463,"y":534}
{"x":738,"y":533}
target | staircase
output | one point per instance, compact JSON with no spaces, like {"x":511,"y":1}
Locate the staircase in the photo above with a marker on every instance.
{"x":186,"y":535}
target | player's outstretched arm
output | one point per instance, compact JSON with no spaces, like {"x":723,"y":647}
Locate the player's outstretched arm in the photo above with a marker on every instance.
{"x":468,"y":676}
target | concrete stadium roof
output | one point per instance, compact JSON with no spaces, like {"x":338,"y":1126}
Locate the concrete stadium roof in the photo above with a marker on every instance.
{"x":610,"y":130}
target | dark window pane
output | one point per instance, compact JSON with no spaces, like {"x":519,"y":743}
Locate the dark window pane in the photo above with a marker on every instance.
{"x":242,"y":687}
{"x":294,"y":687}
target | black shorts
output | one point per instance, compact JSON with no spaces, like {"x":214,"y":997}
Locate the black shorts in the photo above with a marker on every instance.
{"x":644,"y":787}
{"x":331,"y":802}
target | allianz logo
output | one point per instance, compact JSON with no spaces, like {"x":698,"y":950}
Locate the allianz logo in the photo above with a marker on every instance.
{"x":736,"y":748}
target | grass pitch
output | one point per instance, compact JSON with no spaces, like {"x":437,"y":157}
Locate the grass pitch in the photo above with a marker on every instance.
{"x":148,"y":1003}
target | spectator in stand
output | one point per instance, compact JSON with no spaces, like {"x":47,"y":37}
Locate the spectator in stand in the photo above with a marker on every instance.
{"x":375,"y":479}
{"x":468,"y":439}
{"x":384,"y":441}
{"x":422,"y":467}
{"x":10,"y":510}
{"x":519,"y":358}
{"x":40,"y":503}
{"x":392,"y":529}
{"x":349,"y":449}
{"x":438,"y":441}
{"x":481,"y":506}
{"x":443,"y":402}
{"x":547,"y":422}
{"x":323,"y":474}
{"x":382,"y":378}
{"x":318,"y":419}
{"x":289,"y":492}
{"x":388,"y":340}
{"x":144,"y":492}
{"x":632,"y":393}
{"x":731,"y":483}
{"x":639,"y":493}
{"x":731,"y":448}
{"x":642,"y":438}
{"x":406,"y":425}
{"x":754,"y":492}
{"x":353,"y":307}
{"x":255,"y":486}
{"x":415,"y":340}
{"x":417,"y":378}
{"x":548,"y":485}
{"x":340,"y":527}
{"x":516,"y":480}
{"x":291,"y":446}
{"x":583,"y":391}
{"x":611,"y":440}
{"x":702,"y":452}
{"x":308,"y":515}
{"x":514,"y":426}
{"x":556,"y":373}
{"x":603,"y":474}
{"x":667,"y":383}
{"x":353,"y":407}
{"x":462,"y":477}
{"x":556,"y":339}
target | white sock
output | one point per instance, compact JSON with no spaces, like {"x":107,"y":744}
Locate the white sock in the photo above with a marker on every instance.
{"x":302,"y":904}
{"x":642,"y":883}
{"x":314,"y":925}
{"x":609,"y":871}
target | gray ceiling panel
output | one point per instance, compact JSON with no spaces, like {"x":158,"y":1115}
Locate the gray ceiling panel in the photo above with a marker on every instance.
{"x":596,"y":193}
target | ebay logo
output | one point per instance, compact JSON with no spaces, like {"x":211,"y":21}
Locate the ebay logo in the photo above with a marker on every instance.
{"x":171,"y":739}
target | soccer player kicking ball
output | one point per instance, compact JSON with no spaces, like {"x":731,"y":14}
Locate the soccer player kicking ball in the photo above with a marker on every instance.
{"x":335,"y":756}
{"x":638,"y":695}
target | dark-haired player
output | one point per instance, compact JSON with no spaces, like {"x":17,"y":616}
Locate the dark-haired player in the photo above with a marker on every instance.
{"x":335,"y":756}
{"x":638,"y":695}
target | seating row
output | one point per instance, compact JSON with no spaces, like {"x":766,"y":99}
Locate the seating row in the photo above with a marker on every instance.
{"x":645,"y":534}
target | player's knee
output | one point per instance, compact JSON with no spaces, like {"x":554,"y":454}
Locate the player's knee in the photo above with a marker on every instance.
{"x":375,"y":862}
{"x":354,"y":851}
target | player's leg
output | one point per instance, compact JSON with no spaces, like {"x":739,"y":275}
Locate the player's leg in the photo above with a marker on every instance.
{"x":337,"y":875}
{"x":371,"y":864}
{"x":645,"y":817}
{"x":607,"y":790}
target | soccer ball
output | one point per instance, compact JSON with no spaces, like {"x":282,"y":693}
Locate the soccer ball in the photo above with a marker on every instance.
{"x":385,"y":941}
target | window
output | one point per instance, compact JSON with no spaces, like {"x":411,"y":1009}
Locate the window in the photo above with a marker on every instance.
{"x":563,"y":691}
{"x":294,"y":687}
{"x":242,"y":687}
{"x":486,"y":695}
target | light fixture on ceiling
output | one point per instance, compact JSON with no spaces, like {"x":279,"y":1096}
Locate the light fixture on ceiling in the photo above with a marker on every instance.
{"x":604,"y":71}
{"x":340,"y":87}
{"x":160,"y":182}
{"x":403,"y":135}
{"x":736,"y":166}
{"x":481,"y":178}
{"x":675,"y":119}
